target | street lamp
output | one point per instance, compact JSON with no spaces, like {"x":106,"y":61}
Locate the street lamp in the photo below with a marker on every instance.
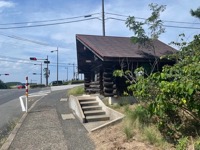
{"x":40,"y":73}
{"x":73,"y":69}
{"x":57,"y":62}
{"x":67,"y":72}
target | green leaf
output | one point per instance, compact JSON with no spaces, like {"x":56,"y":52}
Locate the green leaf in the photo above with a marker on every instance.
{"x":190,"y":91}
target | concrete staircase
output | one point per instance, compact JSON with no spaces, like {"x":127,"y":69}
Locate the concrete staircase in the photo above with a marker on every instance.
{"x":92,"y":110}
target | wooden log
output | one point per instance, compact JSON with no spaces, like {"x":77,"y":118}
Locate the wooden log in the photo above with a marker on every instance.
{"x":95,"y":86}
{"x":107,"y":78}
{"x":108,"y":84}
{"x":94,"y":83}
{"x":106,"y":74}
{"x":108,"y":94}
{"x":105,"y":89}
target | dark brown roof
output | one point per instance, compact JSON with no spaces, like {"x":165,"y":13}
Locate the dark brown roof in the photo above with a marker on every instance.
{"x":121,"y":47}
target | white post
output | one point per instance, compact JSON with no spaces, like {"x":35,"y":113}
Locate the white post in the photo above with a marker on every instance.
{"x":26,"y":94}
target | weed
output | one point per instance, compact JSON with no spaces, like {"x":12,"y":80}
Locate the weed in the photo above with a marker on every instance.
{"x":152,"y":135}
{"x":79,"y":90}
{"x":139,"y":113}
{"x":182,"y":143}
{"x":128,"y":131}
{"x":197,"y":144}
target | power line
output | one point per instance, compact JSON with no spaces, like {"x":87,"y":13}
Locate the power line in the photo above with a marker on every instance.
{"x":50,"y":20}
{"x":49,"y":24}
{"x":171,"y":21}
{"x":171,"y":26}
{"x":26,"y":61}
{"x":25,"y":39}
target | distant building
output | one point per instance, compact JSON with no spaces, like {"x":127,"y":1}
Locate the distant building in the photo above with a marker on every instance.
{"x":99,"y":56}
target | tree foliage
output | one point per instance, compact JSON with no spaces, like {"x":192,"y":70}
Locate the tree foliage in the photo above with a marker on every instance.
{"x":195,"y":13}
{"x":3,"y":85}
{"x":172,"y":96}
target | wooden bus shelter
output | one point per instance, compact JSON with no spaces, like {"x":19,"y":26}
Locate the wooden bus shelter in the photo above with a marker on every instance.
{"x":99,"y":56}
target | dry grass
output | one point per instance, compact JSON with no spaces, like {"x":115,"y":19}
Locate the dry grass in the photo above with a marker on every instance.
{"x":129,"y":134}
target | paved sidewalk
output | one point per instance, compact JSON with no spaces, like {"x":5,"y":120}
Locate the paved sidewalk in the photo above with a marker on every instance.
{"x":44,"y":128}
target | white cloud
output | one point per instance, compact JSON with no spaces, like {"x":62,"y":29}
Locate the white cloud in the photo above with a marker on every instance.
{"x":6,"y":4}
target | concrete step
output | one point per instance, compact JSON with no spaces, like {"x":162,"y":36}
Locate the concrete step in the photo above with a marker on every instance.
{"x":89,"y":103}
{"x":86,"y":108}
{"x":94,"y":112}
{"x":97,"y":118}
{"x":85,"y":99}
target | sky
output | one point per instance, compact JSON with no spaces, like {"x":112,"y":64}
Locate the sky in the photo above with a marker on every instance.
{"x":34,"y":28}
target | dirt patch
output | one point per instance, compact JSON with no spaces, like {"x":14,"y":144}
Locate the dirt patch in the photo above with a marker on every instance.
{"x":113,"y":138}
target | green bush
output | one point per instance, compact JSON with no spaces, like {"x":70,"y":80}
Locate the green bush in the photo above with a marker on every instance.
{"x":3,"y":85}
{"x":77,"y":81}
{"x":37,"y":86}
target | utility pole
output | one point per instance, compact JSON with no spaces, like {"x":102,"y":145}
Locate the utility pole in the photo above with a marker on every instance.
{"x":57,"y":62}
{"x":47,"y":72}
{"x":103,"y":18}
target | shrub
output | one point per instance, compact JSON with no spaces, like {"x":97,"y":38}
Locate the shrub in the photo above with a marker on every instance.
{"x":77,"y":81}
{"x":37,"y":85}
{"x":3,"y":85}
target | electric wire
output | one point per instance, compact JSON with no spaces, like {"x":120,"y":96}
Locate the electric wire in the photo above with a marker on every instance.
{"x":48,"y":24}
{"x":25,"y":39}
{"x":171,"y":21}
{"x":51,"y":20}
{"x":170,"y":26}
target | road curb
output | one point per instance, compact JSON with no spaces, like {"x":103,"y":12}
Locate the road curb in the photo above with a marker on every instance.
{"x":13,"y":133}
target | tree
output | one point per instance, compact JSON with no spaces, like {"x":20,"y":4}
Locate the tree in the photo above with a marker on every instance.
{"x":195,"y":13}
{"x":155,"y":26}
{"x":3,"y":85}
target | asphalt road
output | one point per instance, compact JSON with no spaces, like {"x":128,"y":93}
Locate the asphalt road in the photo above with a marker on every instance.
{"x":10,"y":108}
{"x":7,"y":95}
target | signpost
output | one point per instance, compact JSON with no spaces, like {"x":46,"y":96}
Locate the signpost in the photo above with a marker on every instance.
{"x":25,"y":107}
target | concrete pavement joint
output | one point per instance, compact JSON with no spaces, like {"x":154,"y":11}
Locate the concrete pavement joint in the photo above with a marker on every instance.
{"x":13,"y":133}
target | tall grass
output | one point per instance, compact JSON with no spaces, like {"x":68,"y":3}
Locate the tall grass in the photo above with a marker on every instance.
{"x":138,"y":121}
{"x":138,"y":114}
{"x":79,"y":90}
{"x":153,"y":136}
